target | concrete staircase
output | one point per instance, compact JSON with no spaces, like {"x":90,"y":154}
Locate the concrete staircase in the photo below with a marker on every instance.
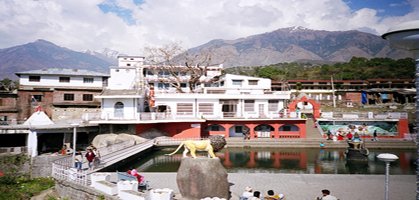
{"x":117,"y":156}
{"x":312,"y":132}
{"x":315,"y":143}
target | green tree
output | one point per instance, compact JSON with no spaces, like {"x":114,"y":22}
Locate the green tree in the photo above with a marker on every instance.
{"x":8,"y":85}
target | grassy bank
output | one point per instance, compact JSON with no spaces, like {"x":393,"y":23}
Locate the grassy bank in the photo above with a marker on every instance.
{"x":15,"y":181}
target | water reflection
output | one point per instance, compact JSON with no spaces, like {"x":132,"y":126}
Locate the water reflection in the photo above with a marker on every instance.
{"x":280,"y":160}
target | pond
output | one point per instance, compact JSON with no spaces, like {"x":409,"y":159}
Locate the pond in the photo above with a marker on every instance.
{"x":282,"y":160}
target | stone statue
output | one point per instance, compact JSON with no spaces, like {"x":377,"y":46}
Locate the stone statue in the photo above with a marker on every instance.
{"x":211,"y":145}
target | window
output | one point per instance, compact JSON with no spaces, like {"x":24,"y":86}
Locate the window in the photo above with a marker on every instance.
{"x":64,"y":79}
{"x":163,"y":73}
{"x":87,"y":97}
{"x":216,"y":127}
{"x":118,"y":110}
{"x":37,"y":98}
{"x":253,"y":82}
{"x":273,"y":105}
{"x":104,"y":81}
{"x":68,"y":97}
{"x":238,"y":129}
{"x":184,"y":109}
{"x":34,"y":78}
{"x":237,"y":82}
{"x":87,"y":80}
{"x":249,"y":105}
{"x":183,"y":85}
{"x":128,"y":64}
{"x":206,"y":108}
{"x":289,"y":127}
{"x":3,"y":120}
{"x":163,"y":86}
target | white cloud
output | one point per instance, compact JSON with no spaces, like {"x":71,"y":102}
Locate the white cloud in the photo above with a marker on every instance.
{"x":80,"y":24}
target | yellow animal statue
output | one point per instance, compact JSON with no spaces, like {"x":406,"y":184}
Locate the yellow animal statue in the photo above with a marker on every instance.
{"x":195,"y":145}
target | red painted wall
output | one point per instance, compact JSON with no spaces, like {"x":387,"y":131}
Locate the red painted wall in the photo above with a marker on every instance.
{"x":403,"y":127}
{"x":175,"y":130}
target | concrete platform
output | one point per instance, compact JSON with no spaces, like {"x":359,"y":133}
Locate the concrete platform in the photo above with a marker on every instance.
{"x":308,"y":186}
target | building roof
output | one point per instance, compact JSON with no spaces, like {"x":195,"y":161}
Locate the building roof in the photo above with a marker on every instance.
{"x":107,"y":93}
{"x":38,"y":118}
{"x":62,"y":71}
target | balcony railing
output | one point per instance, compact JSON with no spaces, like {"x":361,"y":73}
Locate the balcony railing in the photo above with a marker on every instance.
{"x":145,"y":116}
{"x":364,"y":115}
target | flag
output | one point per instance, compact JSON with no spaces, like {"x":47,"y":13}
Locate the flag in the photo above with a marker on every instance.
{"x":33,"y":100}
{"x":38,"y":108}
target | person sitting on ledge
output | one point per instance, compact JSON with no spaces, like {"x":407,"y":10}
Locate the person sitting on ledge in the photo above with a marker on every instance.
{"x":270,"y":195}
{"x":256,"y":196}
{"x":134,"y":172}
{"x":248,"y":192}
{"x":326,"y":196}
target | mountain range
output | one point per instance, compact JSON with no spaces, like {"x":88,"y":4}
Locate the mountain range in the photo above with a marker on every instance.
{"x":283,"y":45}
{"x":43,"y":54}
{"x":300,"y":44}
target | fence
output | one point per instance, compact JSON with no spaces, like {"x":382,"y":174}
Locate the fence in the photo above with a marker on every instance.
{"x":62,"y":169}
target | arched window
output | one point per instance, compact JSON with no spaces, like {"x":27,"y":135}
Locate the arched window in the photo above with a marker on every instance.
{"x":215,"y":127}
{"x":119,"y":110}
{"x":289,"y":127}
{"x":264,"y":127}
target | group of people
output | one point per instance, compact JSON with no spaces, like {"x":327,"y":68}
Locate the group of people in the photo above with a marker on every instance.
{"x":249,"y":194}
{"x":349,"y":136}
{"x":92,"y":156}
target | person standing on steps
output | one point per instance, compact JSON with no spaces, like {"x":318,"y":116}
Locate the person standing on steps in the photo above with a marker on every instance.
{"x":90,"y":156}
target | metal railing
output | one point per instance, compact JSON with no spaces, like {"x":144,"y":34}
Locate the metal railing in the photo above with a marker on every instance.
{"x":165,"y":141}
{"x":364,"y":115}
{"x":63,"y":169}
{"x":145,"y":116}
{"x":115,"y":147}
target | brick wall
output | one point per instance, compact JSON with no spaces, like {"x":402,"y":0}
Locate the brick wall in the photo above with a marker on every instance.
{"x":26,"y":107}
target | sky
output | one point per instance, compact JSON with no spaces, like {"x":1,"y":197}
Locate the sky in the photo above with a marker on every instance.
{"x":128,"y":26}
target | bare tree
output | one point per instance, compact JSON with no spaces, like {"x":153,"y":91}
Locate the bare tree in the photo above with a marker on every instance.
{"x":179,"y":63}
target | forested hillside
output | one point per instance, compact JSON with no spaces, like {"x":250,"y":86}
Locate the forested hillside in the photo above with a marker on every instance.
{"x":356,"y":69}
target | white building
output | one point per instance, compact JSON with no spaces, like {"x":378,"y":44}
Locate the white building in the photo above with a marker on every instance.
{"x":62,"y":78}
{"x":131,"y":99}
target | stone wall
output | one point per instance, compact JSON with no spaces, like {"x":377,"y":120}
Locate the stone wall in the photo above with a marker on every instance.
{"x":70,"y":190}
{"x":42,"y":165}
{"x":59,"y":114}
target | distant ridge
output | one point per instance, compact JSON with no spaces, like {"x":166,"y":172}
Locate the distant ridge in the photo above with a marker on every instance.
{"x":43,"y":54}
{"x":299,"y":43}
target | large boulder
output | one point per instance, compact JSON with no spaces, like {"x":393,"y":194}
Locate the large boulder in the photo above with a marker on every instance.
{"x":128,"y":137}
{"x":202,"y":177}
{"x":104,"y":140}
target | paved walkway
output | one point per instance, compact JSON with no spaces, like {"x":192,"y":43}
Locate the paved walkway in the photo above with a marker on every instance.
{"x":309,"y":186}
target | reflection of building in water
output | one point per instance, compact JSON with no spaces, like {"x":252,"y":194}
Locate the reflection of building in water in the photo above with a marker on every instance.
{"x":254,"y":157}
{"x":312,"y":161}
